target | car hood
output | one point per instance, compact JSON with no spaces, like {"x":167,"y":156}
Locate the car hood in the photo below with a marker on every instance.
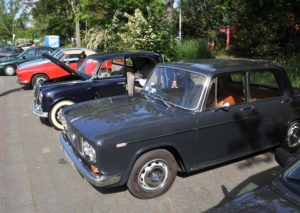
{"x":51,"y":86}
{"x":124,"y":118}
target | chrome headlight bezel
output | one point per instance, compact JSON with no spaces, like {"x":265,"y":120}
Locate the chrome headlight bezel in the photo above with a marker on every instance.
{"x":40,"y":98}
{"x":88,"y":151}
{"x":63,"y":122}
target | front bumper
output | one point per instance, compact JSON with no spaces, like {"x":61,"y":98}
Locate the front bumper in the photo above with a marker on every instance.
{"x":38,"y":110}
{"x":25,"y":82}
{"x":99,"y":181}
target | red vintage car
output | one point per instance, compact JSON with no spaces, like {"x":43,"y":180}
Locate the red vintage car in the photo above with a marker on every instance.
{"x":31,"y":73}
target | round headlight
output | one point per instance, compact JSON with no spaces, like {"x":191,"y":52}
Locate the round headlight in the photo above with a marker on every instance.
{"x":88,"y":151}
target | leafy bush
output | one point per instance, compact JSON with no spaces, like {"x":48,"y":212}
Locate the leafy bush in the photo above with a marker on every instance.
{"x":192,"y":49}
{"x":291,"y":64}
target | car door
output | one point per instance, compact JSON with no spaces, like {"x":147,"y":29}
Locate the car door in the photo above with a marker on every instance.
{"x":268,"y":107}
{"x":110,"y":78}
{"x":223,"y":131}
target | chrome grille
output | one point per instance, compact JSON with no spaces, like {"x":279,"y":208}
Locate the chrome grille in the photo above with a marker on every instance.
{"x":36,"y":93}
{"x":75,"y":138}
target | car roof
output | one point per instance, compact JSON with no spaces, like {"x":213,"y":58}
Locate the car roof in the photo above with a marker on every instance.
{"x":108,"y":55}
{"x":40,"y":47}
{"x":211,"y":67}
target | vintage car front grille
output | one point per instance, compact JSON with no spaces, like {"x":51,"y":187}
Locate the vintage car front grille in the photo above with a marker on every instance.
{"x":75,"y":138}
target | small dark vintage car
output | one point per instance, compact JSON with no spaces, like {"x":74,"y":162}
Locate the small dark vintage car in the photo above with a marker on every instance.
{"x":188,"y":117}
{"x":99,"y":76}
{"x":282,"y":195}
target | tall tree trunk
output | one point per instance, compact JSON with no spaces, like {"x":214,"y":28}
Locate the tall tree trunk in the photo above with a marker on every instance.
{"x":75,"y":8}
{"x":169,"y":9}
{"x":78,"y":41}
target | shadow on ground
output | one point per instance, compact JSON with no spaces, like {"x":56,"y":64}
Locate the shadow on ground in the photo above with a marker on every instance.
{"x":253,"y":182}
{"x":11,"y":91}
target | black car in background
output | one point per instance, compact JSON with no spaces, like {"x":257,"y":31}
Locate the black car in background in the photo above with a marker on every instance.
{"x":99,"y":76}
{"x":283,"y":195}
{"x":9,"y":52}
{"x":188,"y":117}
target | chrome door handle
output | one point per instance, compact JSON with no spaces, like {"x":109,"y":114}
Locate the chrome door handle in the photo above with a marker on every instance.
{"x":247,"y":108}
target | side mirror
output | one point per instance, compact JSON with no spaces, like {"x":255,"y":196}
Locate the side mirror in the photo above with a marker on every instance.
{"x":225,"y":106}
{"x":24,"y":57}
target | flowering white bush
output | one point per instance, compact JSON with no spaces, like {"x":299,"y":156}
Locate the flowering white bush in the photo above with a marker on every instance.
{"x":139,"y":33}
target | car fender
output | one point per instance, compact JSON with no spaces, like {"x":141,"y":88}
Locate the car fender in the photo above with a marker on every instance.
{"x":169,"y":147}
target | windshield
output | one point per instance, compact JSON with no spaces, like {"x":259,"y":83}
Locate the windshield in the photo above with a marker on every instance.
{"x":291,"y":177}
{"x":87,"y":67}
{"x":176,"y":87}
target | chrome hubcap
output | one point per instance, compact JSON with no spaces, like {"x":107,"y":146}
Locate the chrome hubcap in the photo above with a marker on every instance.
{"x":293,"y":136}
{"x":58,"y":116}
{"x":153,"y":175}
{"x":39,"y":79}
{"x":10,"y":70}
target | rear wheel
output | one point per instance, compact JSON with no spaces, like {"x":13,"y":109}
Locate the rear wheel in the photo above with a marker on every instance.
{"x":152,"y":174}
{"x":37,"y":78}
{"x":9,"y":70}
{"x":54,"y":115}
{"x":292,"y":139}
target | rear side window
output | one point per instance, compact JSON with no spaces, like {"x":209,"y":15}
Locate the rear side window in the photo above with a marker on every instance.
{"x":263,"y":85}
{"x":45,"y":51}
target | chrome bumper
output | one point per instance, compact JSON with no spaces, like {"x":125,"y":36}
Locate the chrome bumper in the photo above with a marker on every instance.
{"x":98,"y":181}
{"x":38,"y":110}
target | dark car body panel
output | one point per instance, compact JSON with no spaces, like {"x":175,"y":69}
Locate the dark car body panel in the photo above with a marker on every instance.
{"x":123,"y":128}
{"x":275,"y":197}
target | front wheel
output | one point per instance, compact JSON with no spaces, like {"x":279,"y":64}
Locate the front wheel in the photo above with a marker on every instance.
{"x":9,"y":70}
{"x":37,"y":78}
{"x":292,"y":139}
{"x":152,"y":174}
{"x":54,"y":115}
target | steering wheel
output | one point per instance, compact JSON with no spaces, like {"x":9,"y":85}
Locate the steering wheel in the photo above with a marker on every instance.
{"x":103,"y":73}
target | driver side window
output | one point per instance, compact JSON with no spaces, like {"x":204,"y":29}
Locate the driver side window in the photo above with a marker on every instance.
{"x":226,"y":88}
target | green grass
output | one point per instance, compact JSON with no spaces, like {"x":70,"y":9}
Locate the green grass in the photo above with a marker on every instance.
{"x":193,"y":49}
{"x":292,"y":66}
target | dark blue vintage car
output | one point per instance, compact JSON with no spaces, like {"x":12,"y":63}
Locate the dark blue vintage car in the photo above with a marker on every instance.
{"x":99,"y":76}
{"x":189,"y":116}
{"x":282,"y":195}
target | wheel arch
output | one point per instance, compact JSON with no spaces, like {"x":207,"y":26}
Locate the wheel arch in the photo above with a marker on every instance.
{"x":40,"y":73}
{"x":178,"y":157}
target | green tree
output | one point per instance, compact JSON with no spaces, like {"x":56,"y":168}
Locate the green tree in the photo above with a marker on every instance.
{"x":53,"y":18}
{"x":14,"y":15}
